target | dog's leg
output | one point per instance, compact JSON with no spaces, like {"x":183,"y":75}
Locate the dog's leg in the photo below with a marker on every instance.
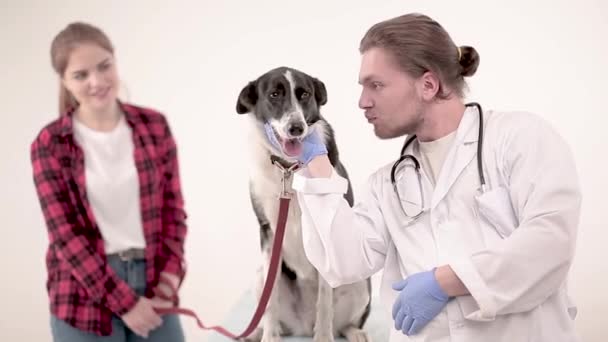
{"x":271,"y":326}
{"x":323,"y":331}
{"x":354,"y":334}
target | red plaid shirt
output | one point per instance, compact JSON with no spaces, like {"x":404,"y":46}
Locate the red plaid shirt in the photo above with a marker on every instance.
{"x":83,"y":289}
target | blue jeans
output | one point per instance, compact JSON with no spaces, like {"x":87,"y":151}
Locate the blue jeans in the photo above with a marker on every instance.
{"x":134,"y":273}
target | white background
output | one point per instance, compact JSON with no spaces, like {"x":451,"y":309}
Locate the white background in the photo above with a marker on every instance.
{"x":191,"y":59}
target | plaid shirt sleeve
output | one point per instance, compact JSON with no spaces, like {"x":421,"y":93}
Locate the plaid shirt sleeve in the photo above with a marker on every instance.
{"x":173,"y":214}
{"x":69,"y":238}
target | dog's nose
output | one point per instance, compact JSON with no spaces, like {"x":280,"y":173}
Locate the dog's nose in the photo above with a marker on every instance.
{"x":296,"y":129}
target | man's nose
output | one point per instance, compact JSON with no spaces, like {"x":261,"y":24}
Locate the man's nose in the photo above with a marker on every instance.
{"x":364,"y":101}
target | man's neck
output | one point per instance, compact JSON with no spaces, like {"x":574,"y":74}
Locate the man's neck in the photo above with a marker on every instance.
{"x":440,"y":119}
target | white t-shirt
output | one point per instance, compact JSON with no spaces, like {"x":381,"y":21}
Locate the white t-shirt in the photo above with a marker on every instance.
{"x":112,"y":184}
{"x":433,"y":153}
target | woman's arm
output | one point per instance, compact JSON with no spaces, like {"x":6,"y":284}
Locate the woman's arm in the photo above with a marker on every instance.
{"x":173,"y":214}
{"x":69,"y":239}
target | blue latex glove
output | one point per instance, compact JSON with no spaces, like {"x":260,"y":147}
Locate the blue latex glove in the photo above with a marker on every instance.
{"x":420,"y":300}
{"x":312,"y":144}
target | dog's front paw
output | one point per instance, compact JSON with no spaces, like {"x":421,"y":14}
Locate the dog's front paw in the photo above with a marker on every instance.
{"x":323,"y":337}
{"x":271,"y":336}
{"x":353,"y":334}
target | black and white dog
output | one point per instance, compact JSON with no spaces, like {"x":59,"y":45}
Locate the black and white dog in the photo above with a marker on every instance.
{"x":302,"y":302}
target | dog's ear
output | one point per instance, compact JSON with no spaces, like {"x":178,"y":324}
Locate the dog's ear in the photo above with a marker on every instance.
{"x":247,"y":98}
{"x":320,"y":92}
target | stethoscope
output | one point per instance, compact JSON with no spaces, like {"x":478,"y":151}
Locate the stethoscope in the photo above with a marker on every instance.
{"x":416,"y":164}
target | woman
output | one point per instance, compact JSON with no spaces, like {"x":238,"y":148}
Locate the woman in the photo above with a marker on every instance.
{"x":107,"y":178}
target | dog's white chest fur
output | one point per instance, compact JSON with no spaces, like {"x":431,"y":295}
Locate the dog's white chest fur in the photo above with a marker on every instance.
{"x":267,"y":186}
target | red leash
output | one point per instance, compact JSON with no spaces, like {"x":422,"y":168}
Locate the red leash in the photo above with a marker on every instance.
{"x":270,"y":277}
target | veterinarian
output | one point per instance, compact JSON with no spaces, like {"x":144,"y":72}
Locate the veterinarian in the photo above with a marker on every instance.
{"x":474,"y":225}
{"x":107,"y":177}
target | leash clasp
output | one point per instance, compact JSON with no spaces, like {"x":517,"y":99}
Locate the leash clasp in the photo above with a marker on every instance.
{"x":286,"y":173}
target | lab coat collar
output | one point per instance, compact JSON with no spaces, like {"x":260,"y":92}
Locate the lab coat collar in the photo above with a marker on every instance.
{"x":460,"y":155}
{"x":468,"y":127}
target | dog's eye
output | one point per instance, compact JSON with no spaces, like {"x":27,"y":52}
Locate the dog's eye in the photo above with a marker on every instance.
{"x":305,"y":95}
{"x":274,"y":94}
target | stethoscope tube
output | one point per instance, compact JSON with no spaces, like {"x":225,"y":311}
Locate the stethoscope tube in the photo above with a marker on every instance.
{"x":410,"y":139}
{"x":482,"y":179}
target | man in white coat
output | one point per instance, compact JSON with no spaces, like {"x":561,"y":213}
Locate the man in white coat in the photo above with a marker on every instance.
{"x":476,"y":245}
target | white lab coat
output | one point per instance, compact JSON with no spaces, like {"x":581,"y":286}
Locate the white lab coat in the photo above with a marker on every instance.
{"x":512,"y":246}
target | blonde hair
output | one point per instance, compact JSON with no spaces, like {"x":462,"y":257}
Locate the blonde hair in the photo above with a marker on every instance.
{"x":62,"y":46}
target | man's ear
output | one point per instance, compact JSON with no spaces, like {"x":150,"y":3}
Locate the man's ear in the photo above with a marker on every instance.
{"x":320,"y":92}
{"x":247,"y":98}
{"x":429,"y":85}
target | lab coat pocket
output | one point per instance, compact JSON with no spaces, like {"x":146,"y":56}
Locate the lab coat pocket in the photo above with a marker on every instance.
{"x":496,"y":209}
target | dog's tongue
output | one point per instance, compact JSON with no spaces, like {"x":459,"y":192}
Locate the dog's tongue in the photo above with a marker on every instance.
{"x":292,"y":147}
